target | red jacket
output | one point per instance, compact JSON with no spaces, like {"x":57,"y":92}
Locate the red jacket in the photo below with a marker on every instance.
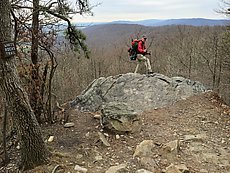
{"x":141,"y":47}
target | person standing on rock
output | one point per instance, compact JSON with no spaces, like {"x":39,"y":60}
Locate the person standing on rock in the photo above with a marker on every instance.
{"x":141,"y":52}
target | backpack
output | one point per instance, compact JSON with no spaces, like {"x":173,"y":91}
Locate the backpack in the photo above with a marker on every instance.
{"x":133,"y":50}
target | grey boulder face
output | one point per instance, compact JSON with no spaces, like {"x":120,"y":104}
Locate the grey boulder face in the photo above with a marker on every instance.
{"x":140,"y":92}
{"x":120,"y":117}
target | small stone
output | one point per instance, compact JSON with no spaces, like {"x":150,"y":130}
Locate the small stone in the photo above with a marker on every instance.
{"x":183,"y":168}
{"x":115,"y":169}
{"x":148,"y":163}
{"x":196,"y":138}
{"x":106,"y":134}
{"x":87,"y":134}
{"x":170,"y":150}
{"x":143,"y":171}
{"x":97,"y":116}
{"x":144,"y":148}
{"x":79,"y":156}
{"x":130,"y":148}
{"x":71,"y":163}
{"x":203,"y":171}
{"x":103,"y":139}
{"x":51,"y":138}
{"x":80,"y":169}
{"x":173,"y":146}
{"x":117,"y":137}
{"x":68,"y":125}
{"x":172,"y":169}
{"x":98,"y":158}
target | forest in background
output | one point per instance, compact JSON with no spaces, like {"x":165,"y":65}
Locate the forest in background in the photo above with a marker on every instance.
{"x":196,"y":53}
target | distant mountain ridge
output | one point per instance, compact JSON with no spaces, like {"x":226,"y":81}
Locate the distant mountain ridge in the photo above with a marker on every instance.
{"x":163,"y":22}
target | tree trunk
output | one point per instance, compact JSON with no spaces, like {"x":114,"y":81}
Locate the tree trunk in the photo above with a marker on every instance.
{"x":6,"y":158}
{"x":35,"y":93}
{"x":33,"y":149}
{"x":215,"y":63}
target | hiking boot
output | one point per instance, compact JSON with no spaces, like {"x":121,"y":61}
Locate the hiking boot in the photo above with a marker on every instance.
{"x":150,"y":74}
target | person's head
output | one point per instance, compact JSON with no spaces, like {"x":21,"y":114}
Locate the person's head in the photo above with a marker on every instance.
{"x":144,"y":38}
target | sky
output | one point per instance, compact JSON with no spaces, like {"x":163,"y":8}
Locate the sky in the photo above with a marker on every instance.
{"x":132,"y":10}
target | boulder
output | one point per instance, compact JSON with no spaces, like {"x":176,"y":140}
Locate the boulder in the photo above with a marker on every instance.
{"x":142,"y":92}
{"x":120,"y":117}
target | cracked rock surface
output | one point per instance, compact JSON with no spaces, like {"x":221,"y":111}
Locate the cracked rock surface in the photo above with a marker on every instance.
{"x":142,"y":92}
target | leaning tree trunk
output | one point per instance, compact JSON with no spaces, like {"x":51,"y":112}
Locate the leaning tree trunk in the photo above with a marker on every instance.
{"x":33,"y":149}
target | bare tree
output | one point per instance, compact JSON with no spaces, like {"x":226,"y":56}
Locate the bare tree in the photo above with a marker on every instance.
{"x":33,"y":149}
{"x":45,"y":17}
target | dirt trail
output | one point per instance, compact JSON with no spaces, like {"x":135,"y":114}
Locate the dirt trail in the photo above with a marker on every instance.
{"x":201,"y":124}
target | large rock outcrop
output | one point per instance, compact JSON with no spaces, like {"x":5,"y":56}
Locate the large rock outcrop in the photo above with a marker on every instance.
{"x":141,"y":92}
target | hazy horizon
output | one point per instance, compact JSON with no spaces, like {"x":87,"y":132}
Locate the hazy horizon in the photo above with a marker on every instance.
{"x":121,"y":20}
{"x":135,"y":10}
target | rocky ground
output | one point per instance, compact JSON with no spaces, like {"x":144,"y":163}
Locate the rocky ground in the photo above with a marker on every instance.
{"x":192,"y":136}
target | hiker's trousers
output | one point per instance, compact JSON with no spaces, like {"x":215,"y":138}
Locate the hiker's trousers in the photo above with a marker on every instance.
{"x":140,"y":59}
